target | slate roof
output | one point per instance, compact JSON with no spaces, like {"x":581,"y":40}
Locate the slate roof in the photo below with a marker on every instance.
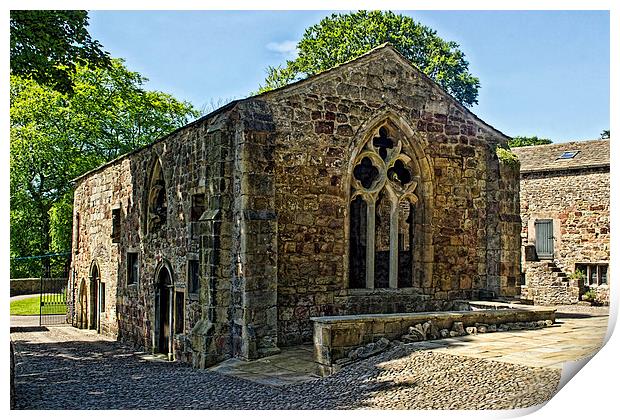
{"x":546,"y":158}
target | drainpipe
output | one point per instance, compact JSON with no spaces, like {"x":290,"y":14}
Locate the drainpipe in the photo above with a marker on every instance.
{"x":98,"y":314}
{"x":170,"y":323}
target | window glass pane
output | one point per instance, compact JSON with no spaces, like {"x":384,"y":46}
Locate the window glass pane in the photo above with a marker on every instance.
{"x":357,"y":243}
{"x":132,"y":267}
{"x":383,"y":209}
{"x":603,"y":274}
{"x":405,"y":241}
{"x":592,"y":276}
{"x":568,"y":155}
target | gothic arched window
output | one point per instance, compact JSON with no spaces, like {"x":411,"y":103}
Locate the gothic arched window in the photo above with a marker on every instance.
{"x":157,"y":205}
{"x":382,"y":214}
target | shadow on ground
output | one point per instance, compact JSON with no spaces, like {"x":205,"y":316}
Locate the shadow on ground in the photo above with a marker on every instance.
{"x":109,"y":375}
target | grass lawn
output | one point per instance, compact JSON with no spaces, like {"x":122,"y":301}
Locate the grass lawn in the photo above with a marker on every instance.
{"x":30,"y":306}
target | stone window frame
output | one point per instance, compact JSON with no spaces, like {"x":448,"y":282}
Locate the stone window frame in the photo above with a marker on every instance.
{"x":136,"y":251}
{"x":192,"y":295}
{"x":414,"y":147}
{"x":588,"y":272}
{"x":154,"y":183}
{"x":116,"y":214}
{"x":193,"y":225}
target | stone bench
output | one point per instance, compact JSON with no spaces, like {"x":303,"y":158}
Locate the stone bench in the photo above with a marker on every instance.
{"x":336,"y":336}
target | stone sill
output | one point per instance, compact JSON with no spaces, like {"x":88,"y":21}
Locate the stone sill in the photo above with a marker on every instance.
{"x":409,"y":291}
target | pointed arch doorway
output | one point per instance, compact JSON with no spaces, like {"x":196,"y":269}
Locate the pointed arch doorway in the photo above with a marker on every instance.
{"x":163,"y":312}
{"x":97,"y":296}
{"x":83,"y":308}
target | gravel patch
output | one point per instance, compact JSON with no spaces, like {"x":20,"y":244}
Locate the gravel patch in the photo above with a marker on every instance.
{"x":55,"y":370}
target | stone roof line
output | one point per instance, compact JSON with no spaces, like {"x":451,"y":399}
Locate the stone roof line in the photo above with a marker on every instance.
{"x":388,"y":47}
{"x":546,"y":158}
{"x":377,"y":50}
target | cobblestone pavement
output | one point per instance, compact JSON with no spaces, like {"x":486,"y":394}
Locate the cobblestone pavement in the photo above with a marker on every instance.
{"x":66,"y":368}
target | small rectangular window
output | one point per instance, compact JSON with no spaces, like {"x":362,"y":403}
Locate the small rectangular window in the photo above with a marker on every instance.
{"x":193,"y":274}
{"x":179,"y":318}
{"x":593,"y":274}
{"x":132,"y":268}
{"x":198,"y":207}
{"x":116,"y":225}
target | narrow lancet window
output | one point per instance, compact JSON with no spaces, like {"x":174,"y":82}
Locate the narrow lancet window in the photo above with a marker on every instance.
{"x":405,"y":243}
{"x":157,"y":206}
{"x":357,"y":244}
{"x":383,"y":212}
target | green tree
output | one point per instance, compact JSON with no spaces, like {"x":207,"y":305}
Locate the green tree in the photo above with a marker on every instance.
{"x":47,"y":45}
{"x":56,"y":137}
{"x":520,"y":141}
{"x":342,"y":37}
{"x":605,"y":134}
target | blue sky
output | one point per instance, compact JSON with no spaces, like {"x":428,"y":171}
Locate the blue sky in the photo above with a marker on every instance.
{"x":542,"y":73}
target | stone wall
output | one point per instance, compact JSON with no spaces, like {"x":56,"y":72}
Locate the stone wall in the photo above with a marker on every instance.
{"x":336,"y":336}
{"x":546,"y":286}
{"x":194,"y":161}
{"x":578,"y":203}
{"x":272,"y":237}
{"x":320,"y":127}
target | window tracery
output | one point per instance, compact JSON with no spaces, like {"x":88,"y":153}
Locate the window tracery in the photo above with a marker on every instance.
{"x":382,"y":214}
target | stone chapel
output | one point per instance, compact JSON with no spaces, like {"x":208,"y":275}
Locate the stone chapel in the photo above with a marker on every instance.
{"x":364,"y":189}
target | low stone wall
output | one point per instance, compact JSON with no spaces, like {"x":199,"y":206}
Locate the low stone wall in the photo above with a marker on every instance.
{"x":548,"y":287}
{"x":32,"y":286}
{"x":336,"y":336}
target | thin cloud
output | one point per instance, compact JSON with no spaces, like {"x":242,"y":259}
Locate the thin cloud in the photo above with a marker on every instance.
{"x":285,"y":48}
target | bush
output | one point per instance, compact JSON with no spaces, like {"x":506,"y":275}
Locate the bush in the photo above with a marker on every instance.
{"x":507,"y":157}
{"x":589,"y":296}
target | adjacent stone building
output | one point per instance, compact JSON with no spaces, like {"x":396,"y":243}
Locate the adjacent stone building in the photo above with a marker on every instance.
{"x":565,"y":212}
{"x":364,"y":189}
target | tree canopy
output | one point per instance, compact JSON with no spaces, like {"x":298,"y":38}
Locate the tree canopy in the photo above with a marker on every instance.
{"x":342,"y":37}
{"x":46,"y":45}
{"x":56,"y":137}
{"x":520,"y":141}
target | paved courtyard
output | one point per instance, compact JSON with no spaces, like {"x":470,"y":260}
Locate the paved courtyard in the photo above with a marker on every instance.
{"x":67,"y":368}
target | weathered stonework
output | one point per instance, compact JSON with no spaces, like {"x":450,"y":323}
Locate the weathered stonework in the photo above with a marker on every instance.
{"x":574,"y":195}
{"x":260,"y":193}
{"x":336,"y":336}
